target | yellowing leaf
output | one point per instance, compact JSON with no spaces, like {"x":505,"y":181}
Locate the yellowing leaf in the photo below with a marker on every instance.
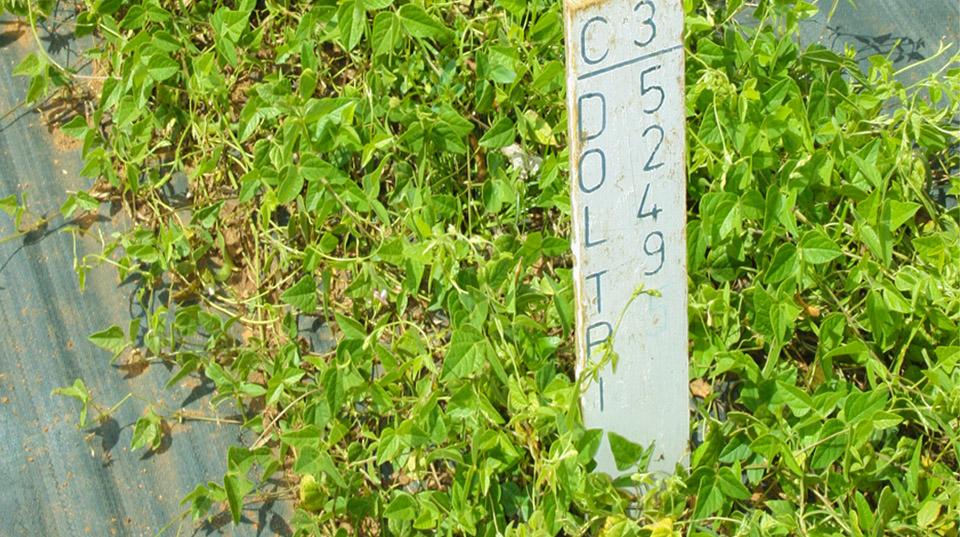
{"x":928,"y":514}
{"x":661,"y":528}
{"x":311,"y":497}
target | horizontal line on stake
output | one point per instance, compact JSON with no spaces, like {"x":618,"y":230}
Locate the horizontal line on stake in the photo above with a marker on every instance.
{"x":631,"y":61}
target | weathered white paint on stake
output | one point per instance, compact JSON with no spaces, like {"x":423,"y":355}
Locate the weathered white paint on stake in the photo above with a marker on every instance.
{"x":628,"y":182}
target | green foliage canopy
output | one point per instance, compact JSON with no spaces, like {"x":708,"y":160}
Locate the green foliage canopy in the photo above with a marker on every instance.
{"x":344,"y":161}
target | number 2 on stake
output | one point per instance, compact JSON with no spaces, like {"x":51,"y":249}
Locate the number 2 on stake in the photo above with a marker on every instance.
{"x":651,"y":165}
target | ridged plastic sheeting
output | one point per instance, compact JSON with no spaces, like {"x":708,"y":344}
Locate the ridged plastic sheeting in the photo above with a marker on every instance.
{"x":57,"y":480}
{"x":906,"y":31}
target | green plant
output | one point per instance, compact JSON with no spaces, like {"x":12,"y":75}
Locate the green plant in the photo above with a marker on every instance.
{"x":16,"y":211}
{"x":25,"y":222}
{"x":345,"y":161}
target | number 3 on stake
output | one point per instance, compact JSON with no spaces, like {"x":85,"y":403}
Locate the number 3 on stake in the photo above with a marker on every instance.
{"x":648,"y":22}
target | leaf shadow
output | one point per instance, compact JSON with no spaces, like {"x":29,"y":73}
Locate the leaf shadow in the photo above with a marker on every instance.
{"x":900,"y":48}
{"x":205,"y":388}
{"x":217,"y":524}
{"x":10,"y":37}
{"x":108,"y":431}
{"x":267,"y":518}
{"x":43,"y":230}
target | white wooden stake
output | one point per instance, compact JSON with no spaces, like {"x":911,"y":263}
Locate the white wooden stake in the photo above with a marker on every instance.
{"x":625,"y":106}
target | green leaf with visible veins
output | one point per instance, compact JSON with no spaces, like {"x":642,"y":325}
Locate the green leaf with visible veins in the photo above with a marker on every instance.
{"x":148,"y":431}
{"x":501,"y":134}
{"x":817,"y":248}
{"x":402,"y":507}
{"x":111,"y":339}
{"x":468,"y":352}
{"x":162,"y":67}
{"x":237,"y":487}
{"x":626,"y":454}
{"x":351,"y":329}
{"x":303,"y":295}
{"x":783,"y":265}
{"x":352,"y":22}
{"x":831,"y":444}
{"x":386,"y":33}
{"x":709,"y":499}
{"x":290,"y":187}
{"x":421,"y":24}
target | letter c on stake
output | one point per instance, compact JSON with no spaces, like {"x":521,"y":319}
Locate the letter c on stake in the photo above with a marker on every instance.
{"x":583,"y":42}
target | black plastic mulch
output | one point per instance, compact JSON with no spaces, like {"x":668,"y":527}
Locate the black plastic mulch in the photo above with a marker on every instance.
{"x":58,"y":480}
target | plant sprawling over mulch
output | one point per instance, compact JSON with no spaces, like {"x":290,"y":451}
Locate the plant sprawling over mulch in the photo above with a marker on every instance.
{"x":396,"y":172}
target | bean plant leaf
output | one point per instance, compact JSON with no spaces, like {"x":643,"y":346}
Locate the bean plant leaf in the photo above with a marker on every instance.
{"x":79,"y":392}
{"x":929,"y":513}
{"x":311,"y":496}
{"x":816,"y":248}
{"x":783,"y":265}
{"x":148,"y":431}
{"x":709,"y":499}
{"x":351,"y":329}
{"x":76,"y":128}
{"x":403,"y":507}
{"x":290,"y":187}
{"x":352,"y":22}
{"x":468,"y":353}
{"x":387,"y":32}
{"x":161,"y":67}
{"x":236,"y":487}
{"x":626,"y":454}
{"x":501,"y":134}
{"x":303,"y":294}
{"x":831,"y":445}
{"x":420,"y":24}
{"x":8,"y":204}
{"x":33,"y":64}
{"x":111,"y":339}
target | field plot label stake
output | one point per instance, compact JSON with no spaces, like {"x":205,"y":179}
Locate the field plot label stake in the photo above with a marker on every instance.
{"x":625,"y":106}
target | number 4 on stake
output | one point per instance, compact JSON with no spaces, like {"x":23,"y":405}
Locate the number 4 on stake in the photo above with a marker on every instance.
{"x":654,"y":213}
